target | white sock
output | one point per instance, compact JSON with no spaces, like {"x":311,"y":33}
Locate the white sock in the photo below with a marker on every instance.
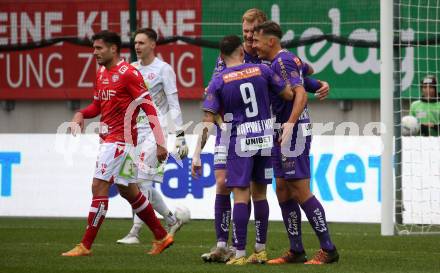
{"x":137,"y":225}
{"x":240,"y":253}
{"x":162,"y":208}
{"x":259,"y":247}
{"x":221,"y":244}
{"x":170,"y":219}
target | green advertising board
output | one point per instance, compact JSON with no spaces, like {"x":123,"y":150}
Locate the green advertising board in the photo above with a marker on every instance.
{"x":353,"y":73}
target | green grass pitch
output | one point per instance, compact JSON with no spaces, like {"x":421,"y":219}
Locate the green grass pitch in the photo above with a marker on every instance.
{"x":35,"y":245}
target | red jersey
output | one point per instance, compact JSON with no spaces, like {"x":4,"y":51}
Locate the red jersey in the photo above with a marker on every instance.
{"x":115,"y":90}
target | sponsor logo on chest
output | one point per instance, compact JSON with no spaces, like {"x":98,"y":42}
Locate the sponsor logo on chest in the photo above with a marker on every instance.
{"x":106,"y":95}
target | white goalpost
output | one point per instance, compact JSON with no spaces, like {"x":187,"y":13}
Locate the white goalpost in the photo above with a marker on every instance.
{"x":386,"y":115}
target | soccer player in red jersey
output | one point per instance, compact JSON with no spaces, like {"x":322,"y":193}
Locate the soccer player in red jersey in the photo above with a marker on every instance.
{"x":120,"y":92}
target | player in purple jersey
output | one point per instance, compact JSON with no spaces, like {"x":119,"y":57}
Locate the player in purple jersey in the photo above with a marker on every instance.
{"x":292,"y":168}
{"x":221,"y":253}
{"x":243,"y":91}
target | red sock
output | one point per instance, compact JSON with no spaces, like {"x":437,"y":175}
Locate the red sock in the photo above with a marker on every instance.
{"x":97,"y":212}
{"x":145,"y":211}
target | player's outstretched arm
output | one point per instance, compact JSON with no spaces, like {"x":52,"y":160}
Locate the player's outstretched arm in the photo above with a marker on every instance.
{"x":77,"y":124}
{"x":323,"y":92}
{"x":90,"y":111}
{"x":207,"y":127}
{"x":321,"y":89}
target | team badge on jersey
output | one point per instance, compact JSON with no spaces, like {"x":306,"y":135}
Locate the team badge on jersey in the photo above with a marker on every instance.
{"x":289,"y":164}
{"x":151,"y":76}
{"x":115,"y":78}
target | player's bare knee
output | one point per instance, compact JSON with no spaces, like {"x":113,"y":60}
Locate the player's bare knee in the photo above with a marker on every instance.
{"x":241,"y":195}
{"x":223,"y":190}
{"x":129,"y":192}
{"x":258,"y":191}
{"x":220,"y":176}
{"x":282,"y":190}
{"x":296,"y":196}
{"x":282,"y":194}
{"x":258,"y":196}
{"x":100,"y":187}
{"x":220,"y":183}
{"x":300,"y":190}
{"x":123,"y":191}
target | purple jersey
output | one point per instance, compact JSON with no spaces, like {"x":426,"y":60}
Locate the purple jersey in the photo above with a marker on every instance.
{"x":294,"y":163}
{"x":290,"y":68}
{"x":220,"y":66}
{"x":243,"y":92}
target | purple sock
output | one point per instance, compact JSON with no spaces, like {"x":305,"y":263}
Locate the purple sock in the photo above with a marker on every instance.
{"x":261,"y":214}
{"x":240,"y":220}
{"x":292,"y":221}
{"x":249,"y":204}
{"x":222,"y":217}
{"x":316,"y":216}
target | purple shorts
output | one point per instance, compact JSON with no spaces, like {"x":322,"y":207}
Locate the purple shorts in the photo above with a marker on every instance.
{"x":291,"y":167}
{"x":243,"y":170}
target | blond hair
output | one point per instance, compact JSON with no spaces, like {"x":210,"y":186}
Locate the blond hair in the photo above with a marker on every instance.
{"x":254,"y":14}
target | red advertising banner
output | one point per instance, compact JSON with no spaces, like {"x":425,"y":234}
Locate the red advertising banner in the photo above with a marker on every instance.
{"x":67,"y":71}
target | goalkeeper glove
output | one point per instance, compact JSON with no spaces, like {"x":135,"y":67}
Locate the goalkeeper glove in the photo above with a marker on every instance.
{"x":181,"y":147}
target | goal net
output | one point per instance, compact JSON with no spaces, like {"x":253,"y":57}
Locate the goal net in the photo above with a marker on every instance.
{"x":417,"y":116}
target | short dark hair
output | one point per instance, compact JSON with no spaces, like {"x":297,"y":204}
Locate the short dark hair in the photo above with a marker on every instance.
{"x":151,"y":33}
{"x":109,"y":37}
{"x":229,"y":44}
{"x":269,"y":28}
